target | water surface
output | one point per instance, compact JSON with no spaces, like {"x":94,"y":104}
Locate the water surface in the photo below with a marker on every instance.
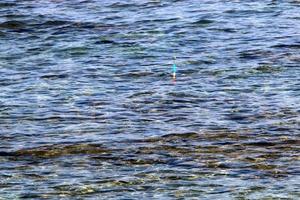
{"x":88,"y":108}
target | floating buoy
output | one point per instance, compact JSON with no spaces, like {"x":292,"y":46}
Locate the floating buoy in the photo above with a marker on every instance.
{"x":174,"y":69}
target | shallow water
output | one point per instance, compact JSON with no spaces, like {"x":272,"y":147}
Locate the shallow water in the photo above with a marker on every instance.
{"x":88,"y":108}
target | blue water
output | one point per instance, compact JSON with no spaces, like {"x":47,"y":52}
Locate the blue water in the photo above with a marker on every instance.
{"x":89,"y":108}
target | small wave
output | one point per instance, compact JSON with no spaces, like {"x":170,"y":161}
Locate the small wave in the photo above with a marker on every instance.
{"x":288,"y":46}
{"x":12,"y":25}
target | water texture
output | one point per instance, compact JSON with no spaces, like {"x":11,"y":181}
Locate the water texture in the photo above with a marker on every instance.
{"x":89,"y":110}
